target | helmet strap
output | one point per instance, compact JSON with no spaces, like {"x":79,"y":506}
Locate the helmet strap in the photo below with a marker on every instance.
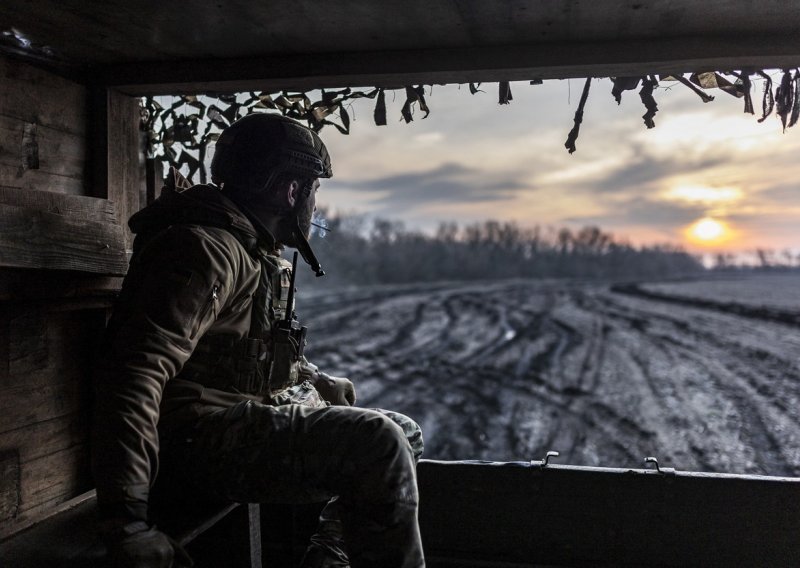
{"x":304,"y":248}
{"x":289,"y":225}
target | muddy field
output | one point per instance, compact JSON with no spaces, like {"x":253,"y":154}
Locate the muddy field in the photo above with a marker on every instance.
{"x":606,"y":376}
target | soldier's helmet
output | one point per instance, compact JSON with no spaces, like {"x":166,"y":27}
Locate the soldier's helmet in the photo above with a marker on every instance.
{"x":253,"y":151}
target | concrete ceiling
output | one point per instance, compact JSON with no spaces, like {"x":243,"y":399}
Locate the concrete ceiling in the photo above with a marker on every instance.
{"x":149,"y":46}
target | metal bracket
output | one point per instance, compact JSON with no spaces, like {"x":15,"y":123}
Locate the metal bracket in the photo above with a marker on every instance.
{"x":662,"y":471}
{"x":541,"y":464}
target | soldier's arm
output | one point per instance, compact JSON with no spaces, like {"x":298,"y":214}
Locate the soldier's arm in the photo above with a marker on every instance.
{"x":170,"y":297}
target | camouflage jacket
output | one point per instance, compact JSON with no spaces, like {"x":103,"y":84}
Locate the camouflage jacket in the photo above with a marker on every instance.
{"x":190,"y":290}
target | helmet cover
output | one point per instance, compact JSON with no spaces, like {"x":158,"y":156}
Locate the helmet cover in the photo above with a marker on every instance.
{"x":253,"y":151}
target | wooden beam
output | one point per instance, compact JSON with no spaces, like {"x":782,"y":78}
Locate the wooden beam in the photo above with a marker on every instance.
{"x":34,"y":157}
{"x":81,"y":207}
{"x":32,"y":94}
{"x":61,"y":290}
{"x":462,"y":65}
{"x":43,"y":490}
{"x":124,"y":162}
{"x":33,"y":238}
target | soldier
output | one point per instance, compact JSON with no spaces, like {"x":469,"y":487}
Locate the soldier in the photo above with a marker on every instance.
{"x":203,"y":356}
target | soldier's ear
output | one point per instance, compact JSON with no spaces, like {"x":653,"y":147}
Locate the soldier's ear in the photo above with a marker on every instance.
{"x":292,"y":192}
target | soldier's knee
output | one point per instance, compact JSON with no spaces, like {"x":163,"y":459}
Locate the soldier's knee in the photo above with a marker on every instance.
{"x":411,"y":431}
{"x":383,"y":431}
{"x":389,"y":474}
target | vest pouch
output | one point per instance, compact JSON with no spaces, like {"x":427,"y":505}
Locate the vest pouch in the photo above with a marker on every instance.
{"x":283,"y":370}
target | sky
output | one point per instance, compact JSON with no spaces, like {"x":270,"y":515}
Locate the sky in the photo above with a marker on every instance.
{"x":708,"y":177}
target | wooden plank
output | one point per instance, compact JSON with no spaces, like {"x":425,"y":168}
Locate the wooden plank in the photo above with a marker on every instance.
{"x":22,"y":406}
{"x":9,"y":484}
{"x":27,"y":344}
{"x":45,"y":487}
{"x":39,"y":440}
{"x":4,"y":348}
{"x":570,"y":515}
{"x":117,"y":166}
{"x":394,"y":69}
{"x":45,"y":347}
{"x":38,"y":239}
{"x":34,"y":180}
{"x":116,"y":31}
{"x":38,"y":157}
{"x":97,"y":125}
{"x":55,"y":477}
{"x":33,"y":95}
{"x":126,"y":169}
{"x":72,"y":528}
{"x":83,"y":207}
{"x":75,"y":290}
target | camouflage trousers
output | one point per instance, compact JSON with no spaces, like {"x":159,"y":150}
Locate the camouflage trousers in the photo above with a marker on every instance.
{"x":362,"y":460}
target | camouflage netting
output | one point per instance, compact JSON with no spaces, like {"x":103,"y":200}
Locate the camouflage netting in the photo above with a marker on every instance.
{"x":179,"y":139}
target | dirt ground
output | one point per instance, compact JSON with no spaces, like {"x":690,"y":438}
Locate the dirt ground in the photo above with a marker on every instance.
{"x":510,"y":370}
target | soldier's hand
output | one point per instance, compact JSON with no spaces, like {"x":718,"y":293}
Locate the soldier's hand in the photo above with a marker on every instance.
{"x":138,"y":545}
{"x":338,"y":391}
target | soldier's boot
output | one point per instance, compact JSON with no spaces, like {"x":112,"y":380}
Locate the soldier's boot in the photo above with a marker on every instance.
{"x":326,"y":549}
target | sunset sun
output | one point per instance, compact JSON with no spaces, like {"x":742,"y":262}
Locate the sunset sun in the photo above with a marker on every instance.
{"x":708,"y":231}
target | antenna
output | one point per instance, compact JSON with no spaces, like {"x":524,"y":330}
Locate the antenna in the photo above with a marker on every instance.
{"x":287,"y":316}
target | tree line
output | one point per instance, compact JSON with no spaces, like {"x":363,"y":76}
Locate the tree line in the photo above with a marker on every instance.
{"x":758,"y":260}
{"x":357,"y":250}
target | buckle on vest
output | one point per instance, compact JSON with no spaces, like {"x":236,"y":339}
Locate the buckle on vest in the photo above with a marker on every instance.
{"x":253,"y":347}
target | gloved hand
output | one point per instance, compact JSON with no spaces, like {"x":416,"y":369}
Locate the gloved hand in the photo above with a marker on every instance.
{"x":137,"y":545}
{"x":338,"y":391}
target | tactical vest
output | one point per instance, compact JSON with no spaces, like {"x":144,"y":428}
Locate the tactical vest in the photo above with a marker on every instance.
{"x":254,"y":364}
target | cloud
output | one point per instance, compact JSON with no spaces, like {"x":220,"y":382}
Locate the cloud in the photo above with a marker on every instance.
{"x":787,"y":194}
{"x":445,"y":183}
{"x":642,"y":170}
{"x":643,"y":211}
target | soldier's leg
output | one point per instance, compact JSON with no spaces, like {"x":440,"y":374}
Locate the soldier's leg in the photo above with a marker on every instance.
{"x":258,"y":453}
{"x":326,"y":549}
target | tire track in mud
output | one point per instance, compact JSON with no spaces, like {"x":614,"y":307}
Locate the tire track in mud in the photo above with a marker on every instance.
{"x":708,"y":352}
{"x":510,"y":370}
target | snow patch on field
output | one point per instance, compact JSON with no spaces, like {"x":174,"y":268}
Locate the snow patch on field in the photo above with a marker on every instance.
{"x":774,"y":291}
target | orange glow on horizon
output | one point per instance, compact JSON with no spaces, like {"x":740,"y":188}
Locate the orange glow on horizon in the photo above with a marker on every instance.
{"x":709,"y":232}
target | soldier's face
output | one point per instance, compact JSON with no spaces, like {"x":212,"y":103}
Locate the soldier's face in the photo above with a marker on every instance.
{"x":306,"y":205}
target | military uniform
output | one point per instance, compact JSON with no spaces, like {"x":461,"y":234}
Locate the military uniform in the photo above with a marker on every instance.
{"x":188,"y":360}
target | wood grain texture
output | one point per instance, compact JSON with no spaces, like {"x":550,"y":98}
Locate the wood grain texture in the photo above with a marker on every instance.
{"x":125,"y":163}
{"x":38,"y":239}
{"x":83,"y":207}
{"x":73,"y":528}
{"x":125,"y":31}
{"x":45,"y":479}
{"x":26,"y":405}
{"x":33,"y":95}
{"x":47,"y":348}
{"x":43,"y":489}
{"x":9,"y":484}
{"x":60,"y":157}
{"x":45,"y":404}
{"x":42,"y":439}
{"x":27,"y":343}
{"x":68,"y":290}
{"x":395,"y":69}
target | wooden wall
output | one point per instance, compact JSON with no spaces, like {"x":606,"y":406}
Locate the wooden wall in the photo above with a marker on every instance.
{"x":70,"y":176}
